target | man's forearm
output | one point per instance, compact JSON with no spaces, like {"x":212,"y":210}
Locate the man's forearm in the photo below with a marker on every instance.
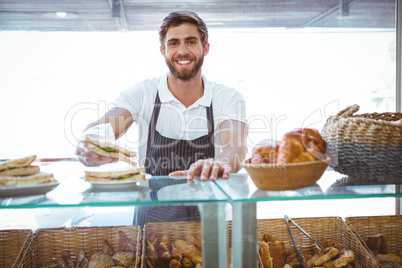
{"x":234,"y":156}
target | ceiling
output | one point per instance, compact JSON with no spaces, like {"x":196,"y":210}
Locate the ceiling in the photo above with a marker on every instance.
{"x":135,"y":15}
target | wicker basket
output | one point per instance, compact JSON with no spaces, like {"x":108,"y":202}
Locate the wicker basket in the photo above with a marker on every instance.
{"x":366,"y":145}
{"x":292,"y":176}
{"x":51,"y":243}
{"x":389,"y":226}
{"x":320,"y":228}
{"x":13,"y":247}
{"x":176,"y":230}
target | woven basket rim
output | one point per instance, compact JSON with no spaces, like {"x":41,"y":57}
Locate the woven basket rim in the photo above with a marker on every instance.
{"x":368,"y":120}
{"x":283,"y":165}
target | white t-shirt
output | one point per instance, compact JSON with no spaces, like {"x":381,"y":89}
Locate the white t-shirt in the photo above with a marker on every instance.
{"x":175,"y":121}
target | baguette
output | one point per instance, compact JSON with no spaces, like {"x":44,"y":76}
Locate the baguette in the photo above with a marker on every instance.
{"x":151,"y":249}
{"x":264,"y":253}
{"x":194,"y":241}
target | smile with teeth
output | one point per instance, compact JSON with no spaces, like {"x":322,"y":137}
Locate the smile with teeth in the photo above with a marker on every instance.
{"x":183,"y":62}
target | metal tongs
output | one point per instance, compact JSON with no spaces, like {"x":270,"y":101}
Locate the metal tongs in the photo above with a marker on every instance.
{"x":298,"y":251}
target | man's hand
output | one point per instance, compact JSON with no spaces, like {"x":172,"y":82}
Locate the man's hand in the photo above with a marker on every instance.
{"x":91,"y":159}
{"x":206,"y":169}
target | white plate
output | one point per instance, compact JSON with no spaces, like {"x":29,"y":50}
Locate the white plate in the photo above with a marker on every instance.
{"x":116,"y":185}
{"x":35,"y":189}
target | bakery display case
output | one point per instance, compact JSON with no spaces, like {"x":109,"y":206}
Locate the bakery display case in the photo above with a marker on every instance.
{"x":228,"y":207}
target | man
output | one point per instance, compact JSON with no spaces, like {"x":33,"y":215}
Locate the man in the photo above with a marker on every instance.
{"x":194,"y":127}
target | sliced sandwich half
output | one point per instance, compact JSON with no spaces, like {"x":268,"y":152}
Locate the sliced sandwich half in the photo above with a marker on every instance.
{"x":19,"y":167}
{"x":134,"y":174}
{"x":38,"y":178}
{"x":110,"y":150}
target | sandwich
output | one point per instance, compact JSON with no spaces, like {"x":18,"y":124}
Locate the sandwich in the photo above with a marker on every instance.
{"x":110,"y":150}
{"x":19,"y":167}
{"x":133,"y":174}
{"x":20,"y":171}
{"x":38,"y":178}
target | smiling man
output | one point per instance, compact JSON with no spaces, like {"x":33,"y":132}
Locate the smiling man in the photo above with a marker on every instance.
{"x":193,"y":127}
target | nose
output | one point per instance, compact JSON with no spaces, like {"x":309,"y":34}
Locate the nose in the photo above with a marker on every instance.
{"x":183,"y":50}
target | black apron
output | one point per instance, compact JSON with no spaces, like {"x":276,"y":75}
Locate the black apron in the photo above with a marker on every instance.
{"x":165,"y":155}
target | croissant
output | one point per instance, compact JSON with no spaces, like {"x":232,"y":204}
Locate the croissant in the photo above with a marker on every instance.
{"x":265,"y":151}
{"x":299,"y":145}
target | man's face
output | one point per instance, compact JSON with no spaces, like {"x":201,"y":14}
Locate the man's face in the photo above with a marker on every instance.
{"x":184,"y":53}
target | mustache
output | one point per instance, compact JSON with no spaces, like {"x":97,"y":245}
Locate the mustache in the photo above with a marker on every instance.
{"x":184,"y":58}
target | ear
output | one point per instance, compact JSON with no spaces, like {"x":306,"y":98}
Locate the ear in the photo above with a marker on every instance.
{"x":162,"y":51}
{"x":206,"y":49}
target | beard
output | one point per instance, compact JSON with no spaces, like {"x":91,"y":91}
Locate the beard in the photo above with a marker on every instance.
{"x":185,"y":74}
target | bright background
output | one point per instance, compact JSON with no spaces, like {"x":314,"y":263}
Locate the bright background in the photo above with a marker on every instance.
{"x":52,"y":84}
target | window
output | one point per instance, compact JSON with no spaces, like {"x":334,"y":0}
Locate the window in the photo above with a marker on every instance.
{"x":295,"y":62}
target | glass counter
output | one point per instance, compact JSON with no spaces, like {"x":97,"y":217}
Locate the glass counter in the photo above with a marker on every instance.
{"x":210,"y":197}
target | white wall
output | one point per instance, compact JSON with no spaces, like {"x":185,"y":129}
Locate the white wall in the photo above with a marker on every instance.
{"x":53,"y":84}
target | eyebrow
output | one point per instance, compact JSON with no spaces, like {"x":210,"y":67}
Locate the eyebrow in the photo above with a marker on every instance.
{"x":187,"y":38}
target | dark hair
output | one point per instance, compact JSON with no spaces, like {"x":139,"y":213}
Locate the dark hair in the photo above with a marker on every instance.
{"x":180,"y":17}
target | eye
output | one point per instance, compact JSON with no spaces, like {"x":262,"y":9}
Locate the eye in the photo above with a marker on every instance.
{"x":172,"y":43}
{"x":192,"y":42}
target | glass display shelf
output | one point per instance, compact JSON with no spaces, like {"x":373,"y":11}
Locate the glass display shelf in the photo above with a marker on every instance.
{"x":73,"y":191}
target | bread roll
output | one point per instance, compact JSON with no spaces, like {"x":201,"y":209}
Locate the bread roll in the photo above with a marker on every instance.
{"x":189,"y":250}
{"x":100,"y":260}
{"x":176,"y":254}
{"x":126,"y":259}
{"x":187,"y":263}
{"x":175,"y":264}
{"x":165,"y":259}
{"x":165,"y":244}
